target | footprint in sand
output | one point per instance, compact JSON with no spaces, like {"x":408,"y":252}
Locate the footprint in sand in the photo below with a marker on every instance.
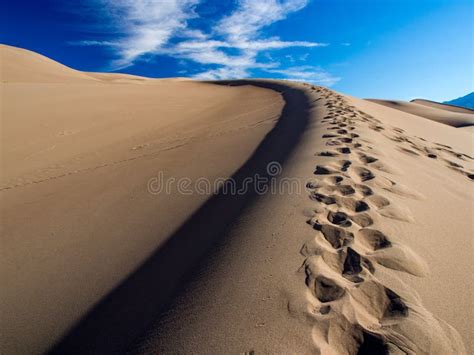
{"x":336,"y":236}
{"x":351,"y":204}
{"x":345,"y":190}
{"x":335,"y":179}
{"x":363,"y":174}
{"x":324,"y":170}
{"x":352,"y":266}
{"x":327,"y":200}
{"x":339,"y":218}
{"x":390,"y":304}
{"x":333,"y":142}
{"x":329,"y":135}
{"x":344,"y":150}
{"x":344,"y":164}
{"x":325,"y":309}
{"x":373,"y":239}
{"x":452,"y":164}
{"x":408,"y":151}
{"x":364,"y":190}
{"x":366,"y":159}
{"x":443,"y":145}
{"x":345,"y":140}
{"x":376,"y":128}
{"x":327,"y":154}
{"x":398,"y":130}
{"x":362,"y":219}
{"x":327,"y":290}
{"x":396,"y":307}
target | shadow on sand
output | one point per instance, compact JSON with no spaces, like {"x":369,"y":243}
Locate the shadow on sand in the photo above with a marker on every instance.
{"x":127,"y":311}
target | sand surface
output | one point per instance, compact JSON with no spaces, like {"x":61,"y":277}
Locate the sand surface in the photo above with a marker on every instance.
{"x":77,"y":157}
{"x":376,"y":264}
{"x":442,"y":106}
{"x":449,"y":115}
{"x":363,"y":246}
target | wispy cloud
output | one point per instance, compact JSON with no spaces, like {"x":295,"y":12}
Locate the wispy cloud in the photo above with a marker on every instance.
{"x":211,"y":52}
{"x":242,"y":30}
{"x":233,"y":44}
{"x":144,"y":26}
{"x":225,"y":72}
{"x":307,"y":73}
{"x":251,"y":16}
{"x":94,"y":43}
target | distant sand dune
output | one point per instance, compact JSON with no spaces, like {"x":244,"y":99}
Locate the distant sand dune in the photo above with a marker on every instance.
{"x":442,"y":106}
{"x":368,"y":254}
{"x":449,"y":115}
{"x":23,"y":66}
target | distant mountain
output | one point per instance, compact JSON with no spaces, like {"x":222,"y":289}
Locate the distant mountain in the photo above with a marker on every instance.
{"x":465,"y":101}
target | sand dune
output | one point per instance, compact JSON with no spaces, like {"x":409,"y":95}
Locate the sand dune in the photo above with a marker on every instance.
{"x":23,"y":66}
{"x":437,"y":112}
{"x":77,"y":158}
{"x":365,"y":253}
{"x":369,"y":276}
{"x":442,"y":106}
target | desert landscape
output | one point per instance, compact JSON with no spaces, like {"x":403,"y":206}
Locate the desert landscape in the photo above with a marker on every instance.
{"x":362,"y":243}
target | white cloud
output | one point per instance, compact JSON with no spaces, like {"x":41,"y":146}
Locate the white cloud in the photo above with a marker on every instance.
{"x":261,"y":45}
{"x":210,"y":52}
{"x":212,"y":56}
{"x":304,"y":57}
{"x":242,"y":30}
{"x":147,"y":27}
{"x":307,"y":73}
{"x":252,"y":15}
{"x":258,"y":45}
{"x":93,"y":43}
{"x":226,"y":72}
{"x":192,"y":33}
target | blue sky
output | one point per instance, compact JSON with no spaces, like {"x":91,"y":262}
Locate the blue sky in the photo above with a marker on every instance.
{"x":399,"y":49}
